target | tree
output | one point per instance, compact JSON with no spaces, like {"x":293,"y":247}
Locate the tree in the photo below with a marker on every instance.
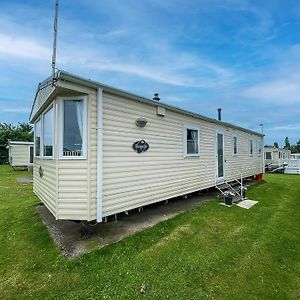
{"x":287,"y":144}
{"x":276,"y":145}
{"x":296,"y":148}
{"x":8,"y":131}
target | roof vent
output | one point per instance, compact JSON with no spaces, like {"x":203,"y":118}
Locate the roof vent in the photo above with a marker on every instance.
{"x":156,"y":97}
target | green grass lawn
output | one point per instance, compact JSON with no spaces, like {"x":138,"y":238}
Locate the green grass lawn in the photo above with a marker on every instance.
{"x":210,"y":252}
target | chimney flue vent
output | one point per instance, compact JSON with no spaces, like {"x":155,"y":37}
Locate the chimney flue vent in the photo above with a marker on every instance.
{"x":219,"y":114}
{"x":156,"y":97}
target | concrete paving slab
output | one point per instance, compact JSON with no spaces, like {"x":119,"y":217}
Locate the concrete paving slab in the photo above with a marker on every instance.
{"x":247,"y":204}
{"x":74,"y":239}
{"x":24,"y":180}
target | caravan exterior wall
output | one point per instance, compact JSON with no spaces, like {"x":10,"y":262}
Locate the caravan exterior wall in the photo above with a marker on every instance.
{"x":69,"y":185}
{"x":131,"y":180}
{"x":19,"y":154}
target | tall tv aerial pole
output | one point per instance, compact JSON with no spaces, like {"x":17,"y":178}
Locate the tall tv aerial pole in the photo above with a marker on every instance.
{"x":54,"y":43}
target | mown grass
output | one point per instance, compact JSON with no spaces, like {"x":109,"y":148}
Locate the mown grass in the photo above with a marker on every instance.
{"x":211,"y":252}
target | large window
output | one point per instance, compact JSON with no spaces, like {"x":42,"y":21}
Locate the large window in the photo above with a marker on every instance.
{"x":74,"y":127}
{"x":191,"y":141}
{"x":37,"y":137}
{"x":251,"y":147}
{"x":48,"y":133}
{"x":234,"y":145}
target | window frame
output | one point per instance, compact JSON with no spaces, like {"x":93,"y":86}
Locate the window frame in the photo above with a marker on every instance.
{"x":84,"y":129}
{"x":259,"y":146}
{"x":251,"y":142}
{"x":51,"y":106}
{"x":34,"y":137}
{"x":237,"y":151}
{"x":30,"y":163}
{"x":185,"y":128}
{"x":271,"y":156}
{"x":41,"y":119}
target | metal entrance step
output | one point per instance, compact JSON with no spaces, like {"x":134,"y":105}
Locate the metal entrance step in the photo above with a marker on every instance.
{"x":234,"y":187}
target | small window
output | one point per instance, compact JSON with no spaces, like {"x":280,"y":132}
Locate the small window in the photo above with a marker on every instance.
{"x":234,"y":145}
{"x":74,"y":126}
{"x":251,"y":147}
{"x":268,"y":155}
{"x":48,"y":133}
{"x":280,"y":155}
{"x":259,"y":148}
{"x":37,"y":138}
{"x":191,"y":142}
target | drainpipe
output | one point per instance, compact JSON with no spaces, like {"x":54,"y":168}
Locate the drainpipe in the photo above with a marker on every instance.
{"x":99,"y":155}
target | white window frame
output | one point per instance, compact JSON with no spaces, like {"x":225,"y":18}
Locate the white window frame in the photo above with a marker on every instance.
{"x":51,"y":106}
{"x":237,"y":151}
{"x":251,"y":142}
{"x":270,"y":153}
{"x":84,"y":129}
{"x":34,"y":136}
{"x":259,"y":146}
{"x":41,"y":119}
{"x":185,"y":128}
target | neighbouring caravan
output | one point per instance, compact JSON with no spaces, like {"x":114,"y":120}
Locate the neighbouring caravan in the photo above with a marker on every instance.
{"x":276,"y":157}
{"x":293,"y":166}
{"x":20,"y":154}
{"x":100,"y":151}
{"x":295,"y":156}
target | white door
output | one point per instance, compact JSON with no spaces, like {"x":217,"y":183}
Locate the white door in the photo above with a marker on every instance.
{"x":220,"y":156}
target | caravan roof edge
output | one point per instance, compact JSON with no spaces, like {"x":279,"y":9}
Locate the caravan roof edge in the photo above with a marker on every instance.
{"x":63,"y":75}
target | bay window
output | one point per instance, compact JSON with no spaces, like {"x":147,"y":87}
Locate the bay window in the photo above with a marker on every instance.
{"x":74,"y":128}
{"x":37,"y":137}
{"x":48,"y":133}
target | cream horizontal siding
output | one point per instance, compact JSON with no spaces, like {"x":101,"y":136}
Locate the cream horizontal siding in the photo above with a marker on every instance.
{"x":19,"y":155}
{"x":242,"y":164}
{"x":68,"y":187}
{"x":131,"y":180}
{"x":77,"y":178}
{"x":45,"y":187}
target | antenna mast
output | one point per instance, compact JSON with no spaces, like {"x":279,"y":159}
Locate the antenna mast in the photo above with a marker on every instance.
{"x":54,"y":43}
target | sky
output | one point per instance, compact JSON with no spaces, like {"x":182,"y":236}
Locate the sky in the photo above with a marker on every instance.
{"x":242,"y":56}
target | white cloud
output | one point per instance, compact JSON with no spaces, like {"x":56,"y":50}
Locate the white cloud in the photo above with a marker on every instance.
{"x":22,"y":47}
{"x":284,"y":91}
{"x":16,"y":110}
{"x":286,"y":127}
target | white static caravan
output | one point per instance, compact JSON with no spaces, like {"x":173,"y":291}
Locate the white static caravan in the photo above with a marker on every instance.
{"x":276,"y":156}
{"x":20,"y":153}
{"x":293,"y":166}
{"x":100,"y":151}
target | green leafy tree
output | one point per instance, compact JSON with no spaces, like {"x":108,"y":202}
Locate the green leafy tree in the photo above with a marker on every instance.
{"x":276,"y":145}
{"x":296,"y":148}
{"x":287,"y":144}
{"x":8,"y":131}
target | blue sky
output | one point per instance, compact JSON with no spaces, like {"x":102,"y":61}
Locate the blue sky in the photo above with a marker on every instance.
{"x":243,"y":56}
